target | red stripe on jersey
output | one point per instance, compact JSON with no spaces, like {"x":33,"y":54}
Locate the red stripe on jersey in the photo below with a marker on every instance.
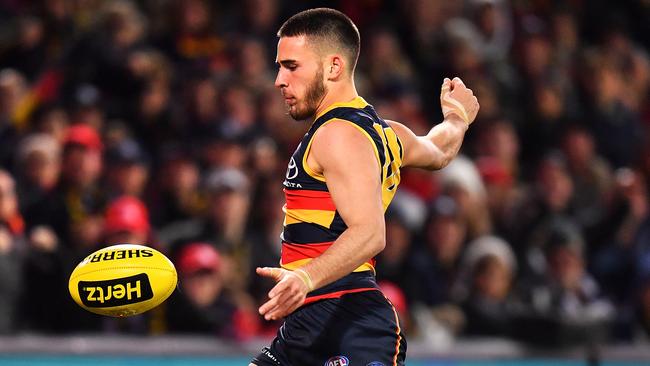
{"x":309,"y":200}
{"x":337,"y":294}
{"x":295,"y":252}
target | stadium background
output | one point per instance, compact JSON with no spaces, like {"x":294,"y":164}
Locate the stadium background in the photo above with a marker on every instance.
{"x":156,"y":121}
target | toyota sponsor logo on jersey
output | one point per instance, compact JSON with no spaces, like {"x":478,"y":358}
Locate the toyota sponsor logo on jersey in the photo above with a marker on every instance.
{"x":337,"y":361}
{"x":292,"y":169}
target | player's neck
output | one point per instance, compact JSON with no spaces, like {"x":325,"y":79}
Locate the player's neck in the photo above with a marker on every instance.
{"x":337,"y":94}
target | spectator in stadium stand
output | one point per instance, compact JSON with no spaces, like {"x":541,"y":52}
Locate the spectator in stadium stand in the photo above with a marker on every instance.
{"x":265,"y":224}
{"x":503,"y":193}
{"x":191,"y":38}
{"x":623,"y":237}
{"x":387,"y":66}
{"x":253,"y":63}
{"x":204,"y":305}
{"x":202,"y":105}
{"x":615,"y":118}
{"x":462,"y":182}
{"x":38,"y":165}
{"x":592,"y":178}
{"x":240,"y":120}
{"x":565,"y":306}
{"x":498,"y":139}
{"x":14,"y":92}
{"x":126,"y":221}
{"x":549,"y":197}
{"x":228,"y":210}
{"x":434,"y":265}
{"x":488,"y":270}
{"x":127,"y":169}
{"x":220,"y":152}
{"x":74,"y":208}
{"x":51,"y":119}
{"x":155,"y":120}
{"x":177,"y":199}
{"x":393,"y":262}
{"x":12,"y":250}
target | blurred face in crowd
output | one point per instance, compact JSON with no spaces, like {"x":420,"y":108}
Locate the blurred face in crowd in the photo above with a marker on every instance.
{"x":549,"y":102}
{"x":229,"y":207}
{"x":555,"y":185}
{"x":181,"y":177}
{"x":240,"y":106}
{"x":55,"y":123}
{"x":13,"y":88}
{"x":82,"y":166}
{"x":492,"y":278}
{"x":42,"y":170}
{"x":225,"y":154}
{"x":499,"y":141}
{"x":8,"y":201}
{"x":445,"y":237}
{"x":194,"y":16}
{"x":127,"y":236}
{"x":398,"y":240}
{"x":261,"y":13}
{"x":300,"y":77}
{"x":537,"y":56}
{"x":129,"y":178}
{"x":204,"y":100}
{"x":578,"y":146}
{"x":252,"y":59}
{"x":202,"y":287}
{"x":566,"y":267}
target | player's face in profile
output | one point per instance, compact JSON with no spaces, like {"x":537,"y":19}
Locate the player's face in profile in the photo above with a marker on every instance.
{"x":300,"y":77}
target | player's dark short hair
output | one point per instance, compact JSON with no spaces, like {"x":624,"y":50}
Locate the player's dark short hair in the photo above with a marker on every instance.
{"x":329,"y":25}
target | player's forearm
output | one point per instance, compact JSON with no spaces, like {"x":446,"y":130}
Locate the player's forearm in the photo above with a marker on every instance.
{"x":353,"y":248}
{"x":448,"y":137}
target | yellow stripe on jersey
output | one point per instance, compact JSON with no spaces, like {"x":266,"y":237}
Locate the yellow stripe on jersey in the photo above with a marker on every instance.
{"x":301,"y":262}
{"x":320,"y":217}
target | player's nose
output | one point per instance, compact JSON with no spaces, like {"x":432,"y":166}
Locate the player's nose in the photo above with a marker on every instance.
{"x":280,"y":81}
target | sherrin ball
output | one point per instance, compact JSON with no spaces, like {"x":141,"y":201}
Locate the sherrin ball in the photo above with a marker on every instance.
{"x":122,"y":280}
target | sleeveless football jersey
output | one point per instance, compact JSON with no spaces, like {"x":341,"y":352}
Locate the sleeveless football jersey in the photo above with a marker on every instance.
{"x":312,"y":222}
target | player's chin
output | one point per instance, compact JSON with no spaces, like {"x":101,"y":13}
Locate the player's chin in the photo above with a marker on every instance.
{"x":298,"y":114}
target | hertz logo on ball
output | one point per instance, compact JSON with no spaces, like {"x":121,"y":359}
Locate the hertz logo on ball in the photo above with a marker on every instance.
{"x":115,"y":292}
{"x":122,"y":280}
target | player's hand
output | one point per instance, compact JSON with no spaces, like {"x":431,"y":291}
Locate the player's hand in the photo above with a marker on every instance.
{"x":286,"y":296}
{"x":457,"y":99}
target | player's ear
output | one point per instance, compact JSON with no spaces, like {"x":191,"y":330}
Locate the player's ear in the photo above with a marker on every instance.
{"x":335,"y":67}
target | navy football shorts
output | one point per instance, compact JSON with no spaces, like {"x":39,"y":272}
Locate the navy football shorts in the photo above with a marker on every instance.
{"x":359,"y":329}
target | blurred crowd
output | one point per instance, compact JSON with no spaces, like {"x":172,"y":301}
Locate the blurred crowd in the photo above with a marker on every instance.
{"x":156,"y":122}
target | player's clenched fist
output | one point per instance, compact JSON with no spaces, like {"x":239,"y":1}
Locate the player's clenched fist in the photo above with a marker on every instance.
{"x":457,"y":99}
{"x":288,"y":294}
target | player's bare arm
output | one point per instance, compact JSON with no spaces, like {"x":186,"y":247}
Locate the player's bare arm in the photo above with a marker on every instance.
{"x":436,"y":149}
{"x":346,"y":158}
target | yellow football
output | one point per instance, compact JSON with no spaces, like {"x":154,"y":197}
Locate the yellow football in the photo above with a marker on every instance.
{"x":122,"y":280}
